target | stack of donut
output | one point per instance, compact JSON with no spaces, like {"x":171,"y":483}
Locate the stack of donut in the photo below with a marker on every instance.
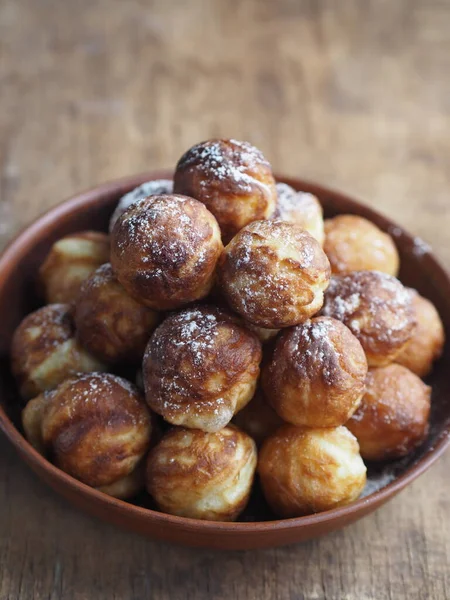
{"x":263,"y":338}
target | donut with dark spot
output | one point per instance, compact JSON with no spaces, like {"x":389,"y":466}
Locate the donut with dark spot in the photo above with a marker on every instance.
{"x":316,"y":376}
{"x":232,"y":178}
{"x":96,"y":427}
{"x":164,"y":251}
{"x":376,"y":308}
{"x":201,"y":366}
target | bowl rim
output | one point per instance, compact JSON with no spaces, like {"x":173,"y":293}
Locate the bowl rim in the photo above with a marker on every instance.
{"x":45,"y":221}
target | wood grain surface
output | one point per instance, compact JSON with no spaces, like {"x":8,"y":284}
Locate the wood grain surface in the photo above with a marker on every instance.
{"x":354,"y":94}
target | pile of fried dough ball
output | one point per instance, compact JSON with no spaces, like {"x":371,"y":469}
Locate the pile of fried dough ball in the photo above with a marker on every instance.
{"x":263,"y":338}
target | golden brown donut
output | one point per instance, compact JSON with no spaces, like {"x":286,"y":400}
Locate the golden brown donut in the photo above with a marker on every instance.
{"x":156,"y":187}
{"x":427,"y":341}
{"x":200,"y":367}
{"x":392,"y":418}
{"x":301,"y":208}
{"x":44,"y":351}
{"x":258,"y":418}
{"x":274,"y":273}
{"x":32,"y":416}
{"x":353,"y":243}
{"x":376,"y":308}
{"x":111,"y":324}
{"x":233,"y":179}
{"x":96,"y":427}
{"x":317,"y":373}
{"x":70,"y":261}
{"x":304,"y":471}
{"x":202,"y":475}
{"x":164,"y":251}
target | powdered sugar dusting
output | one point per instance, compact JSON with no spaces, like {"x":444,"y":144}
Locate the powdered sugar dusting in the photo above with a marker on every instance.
{"x":314,"y":350}
{"x":99,"y":384}
{"x":100,"y":277}
{"x":379,"y":480}
{"x":291,"y":201}
{"x":149,"y":188}
{"x":420,"y":247}
{"x":370,"y":300}
{"x":165,"y":232}
{"x":191,"y":363}
{"x":195,"y":328}
{"x":225,"y":160}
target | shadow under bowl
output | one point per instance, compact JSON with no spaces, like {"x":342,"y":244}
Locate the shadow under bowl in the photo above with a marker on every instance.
{"x":257,"y":526}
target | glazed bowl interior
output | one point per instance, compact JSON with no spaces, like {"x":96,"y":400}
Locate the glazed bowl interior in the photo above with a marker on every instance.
{"x":257,"y":526}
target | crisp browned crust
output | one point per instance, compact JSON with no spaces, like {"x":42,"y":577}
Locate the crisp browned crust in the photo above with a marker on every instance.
{"x":44,"y":351}
{"x":304,"y":471}
{"x":70,"y":261}
{"x":376,"y":308}
{"x":392,"y":418}
{"x":109,"y":322}
{"x":301,"y":208}
{"x":96,"y":427}
{"x":274,"y":273}
{"x":258,"y":418}
{"x":353,"y":243}
{"x":427,"y":341}
{"x":316,"y":377}
{"x":233,"y":179}
{"x":200,"y":367}
{"x":202,"y":475}
{"x":164,"y":250}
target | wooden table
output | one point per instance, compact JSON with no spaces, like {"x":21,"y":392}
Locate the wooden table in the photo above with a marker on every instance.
{"x":355,"y":94}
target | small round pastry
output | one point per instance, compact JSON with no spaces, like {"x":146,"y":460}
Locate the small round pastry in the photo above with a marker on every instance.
{"x":392,"y":418}
{"x":258,"y":418}
{"x":70,"y":261}
{"x":44,"y":351}
{"x":427,"y":341}
{"x":32,"y":416}
{"x":111,"y":324}
{"x":304,"y":471}
{"x":200,"y":475}
{"x":164,"y":251}
{"x":377,"y":309}
{"x":301,"y":208}
{"x":353,"y":243}
{"x":233,"y":179}
{"x":157,"y":187}
{"x":317,"y":374}
{"x":128,"y":486}
{"x":96,"y":427}
{"x":200,"y":367}
{"x":274,"y":274}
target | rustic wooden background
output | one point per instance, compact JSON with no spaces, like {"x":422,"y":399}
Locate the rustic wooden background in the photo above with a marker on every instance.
{"x":352,"y":93}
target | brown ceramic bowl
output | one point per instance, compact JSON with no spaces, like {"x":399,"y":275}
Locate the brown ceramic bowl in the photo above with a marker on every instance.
{"x":257,"y":527}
